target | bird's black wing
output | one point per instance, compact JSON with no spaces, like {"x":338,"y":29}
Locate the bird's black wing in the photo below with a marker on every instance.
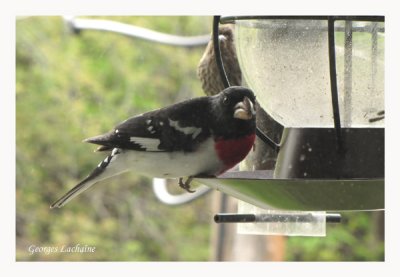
{"x":180,"y":127}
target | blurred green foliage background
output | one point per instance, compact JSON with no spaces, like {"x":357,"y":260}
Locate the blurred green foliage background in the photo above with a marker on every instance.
{"x":70,"y":87}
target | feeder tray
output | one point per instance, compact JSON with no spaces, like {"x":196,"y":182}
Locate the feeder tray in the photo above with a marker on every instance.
{"x":261,"y":189}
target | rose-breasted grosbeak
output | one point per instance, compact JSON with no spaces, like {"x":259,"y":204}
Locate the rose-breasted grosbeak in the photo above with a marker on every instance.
{"x":207,"y":69}
{"x":203,"y":136}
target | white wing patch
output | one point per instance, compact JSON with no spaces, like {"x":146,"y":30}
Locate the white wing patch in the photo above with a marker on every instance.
{"x":194,"y":131}
{"x":150,"y":144}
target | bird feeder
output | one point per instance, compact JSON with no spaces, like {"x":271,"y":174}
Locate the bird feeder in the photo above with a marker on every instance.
{"x":322,"y":79}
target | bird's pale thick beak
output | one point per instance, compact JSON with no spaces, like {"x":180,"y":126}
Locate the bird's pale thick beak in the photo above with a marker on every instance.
{"x":244,"y":110}
{"x":222,"y":38}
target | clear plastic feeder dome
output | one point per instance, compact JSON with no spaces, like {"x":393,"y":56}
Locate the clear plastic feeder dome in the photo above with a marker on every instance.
{"x":286,"y":63}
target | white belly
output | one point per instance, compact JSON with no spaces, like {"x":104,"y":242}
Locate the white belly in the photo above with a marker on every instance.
{"x":170,"y":164}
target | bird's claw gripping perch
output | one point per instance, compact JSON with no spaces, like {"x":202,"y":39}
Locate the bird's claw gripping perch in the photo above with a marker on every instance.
{"x":186,"y":185}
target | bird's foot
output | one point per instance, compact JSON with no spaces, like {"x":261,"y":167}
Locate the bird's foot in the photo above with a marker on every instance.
{"x":186,"y":185}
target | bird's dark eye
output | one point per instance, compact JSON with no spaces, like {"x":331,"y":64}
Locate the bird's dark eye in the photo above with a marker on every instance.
{"x":225,"y":100}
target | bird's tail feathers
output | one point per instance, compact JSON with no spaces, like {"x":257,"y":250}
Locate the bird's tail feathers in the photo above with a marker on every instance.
{"x":75,"y":191}
{"x":101,"y":172}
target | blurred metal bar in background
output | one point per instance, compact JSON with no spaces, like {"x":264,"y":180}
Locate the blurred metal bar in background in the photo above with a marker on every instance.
{"x":161,"y":192}
{"x":78,"y":24}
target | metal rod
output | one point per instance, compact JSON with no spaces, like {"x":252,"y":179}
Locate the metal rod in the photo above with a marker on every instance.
{"x":251,"y":218}
{"x":217,"y":51}
{"x":338,"y":28}
{"x":348,"y":71}
{"x":333,"y":79}
{"x":230,"y":19}
{"x":234,"y":218}
{"x":267,"y":140}
{"x":333,"y":218}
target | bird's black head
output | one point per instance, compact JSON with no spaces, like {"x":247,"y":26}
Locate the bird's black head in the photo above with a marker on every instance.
{"x":237,"y":102}
{"x":234,"y":108}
